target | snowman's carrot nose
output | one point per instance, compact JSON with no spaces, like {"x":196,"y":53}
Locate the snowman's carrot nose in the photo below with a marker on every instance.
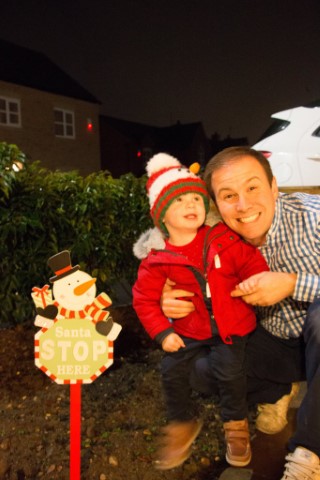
{"x":81,"y":289}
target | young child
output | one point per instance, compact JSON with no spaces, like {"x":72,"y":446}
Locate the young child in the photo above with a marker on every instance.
{"x":210,"y":262}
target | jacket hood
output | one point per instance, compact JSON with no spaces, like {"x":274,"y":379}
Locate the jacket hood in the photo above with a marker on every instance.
{"x":149,"y":240}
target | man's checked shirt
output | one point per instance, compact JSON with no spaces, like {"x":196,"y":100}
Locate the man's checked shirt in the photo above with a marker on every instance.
{"x":293,"y":245}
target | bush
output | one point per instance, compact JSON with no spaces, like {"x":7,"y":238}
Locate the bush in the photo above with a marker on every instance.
{"x":96,"y":218}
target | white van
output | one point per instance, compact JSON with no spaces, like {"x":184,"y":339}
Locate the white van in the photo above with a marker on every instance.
{"x":292,"y":146}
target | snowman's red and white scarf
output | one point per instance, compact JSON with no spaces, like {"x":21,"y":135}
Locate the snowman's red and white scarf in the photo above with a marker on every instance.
{"x":95,"y":310}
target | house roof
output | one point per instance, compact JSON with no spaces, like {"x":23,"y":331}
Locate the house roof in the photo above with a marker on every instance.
{"x":181,"y":135}
{"x":22,"y":66}
{"x":177,"y":135}
{"x":132,"y":130}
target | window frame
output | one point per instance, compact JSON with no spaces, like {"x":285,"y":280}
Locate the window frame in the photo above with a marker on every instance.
{"x":64,"y":123}
{"x":8,"y":112}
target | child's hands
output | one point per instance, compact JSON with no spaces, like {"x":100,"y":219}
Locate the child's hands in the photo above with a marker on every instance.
{"x":172,"y":343}
{"x":248,"y":286}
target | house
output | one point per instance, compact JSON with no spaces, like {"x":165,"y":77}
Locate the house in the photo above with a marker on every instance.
{"x":217,"y":143}
{"x":127,"y":146}
{"x":46,"y":113}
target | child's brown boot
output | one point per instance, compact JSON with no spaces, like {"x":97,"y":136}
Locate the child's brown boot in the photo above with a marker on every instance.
{"x":237,"y":438}
{"x":176,"y":443}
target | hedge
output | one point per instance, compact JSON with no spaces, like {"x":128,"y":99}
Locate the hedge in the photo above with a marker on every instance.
{"x":97,"y":218}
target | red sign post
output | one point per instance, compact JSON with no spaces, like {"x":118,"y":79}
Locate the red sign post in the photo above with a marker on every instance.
{"x":72,"y":352}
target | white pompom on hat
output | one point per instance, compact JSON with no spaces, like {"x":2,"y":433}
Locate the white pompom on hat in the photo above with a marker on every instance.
{"x":169,"y":179}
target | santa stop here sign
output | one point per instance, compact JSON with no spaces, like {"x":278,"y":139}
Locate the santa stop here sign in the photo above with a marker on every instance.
{"x":72,"y":351}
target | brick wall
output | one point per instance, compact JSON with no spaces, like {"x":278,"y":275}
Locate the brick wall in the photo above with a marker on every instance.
{"x":36,"y":136}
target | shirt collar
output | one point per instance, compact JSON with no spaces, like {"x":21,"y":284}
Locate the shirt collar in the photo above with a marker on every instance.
{"x":276,"y":219}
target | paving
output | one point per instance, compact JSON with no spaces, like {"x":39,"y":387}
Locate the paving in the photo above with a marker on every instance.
{"x":268,"y":451}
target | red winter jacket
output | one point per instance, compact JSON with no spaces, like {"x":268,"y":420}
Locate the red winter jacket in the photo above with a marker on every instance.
{"x":229,"y":260}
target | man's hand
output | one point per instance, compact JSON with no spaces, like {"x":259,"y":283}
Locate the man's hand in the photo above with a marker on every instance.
{"x":266,"y":288}
{"x":172,"y":343}
{"x":171,"y":303}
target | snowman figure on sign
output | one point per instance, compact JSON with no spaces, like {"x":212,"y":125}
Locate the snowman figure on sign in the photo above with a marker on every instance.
{"x":74,"y":297}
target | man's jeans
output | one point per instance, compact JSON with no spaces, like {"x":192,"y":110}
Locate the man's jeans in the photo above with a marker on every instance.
{"x":272,"y":365}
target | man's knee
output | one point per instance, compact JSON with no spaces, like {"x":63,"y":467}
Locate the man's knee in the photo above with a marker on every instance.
{"x":312,"y":324}
{"x":314,"y":309}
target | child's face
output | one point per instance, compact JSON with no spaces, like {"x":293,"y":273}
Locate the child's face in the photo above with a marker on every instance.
{"x":186,"y":214}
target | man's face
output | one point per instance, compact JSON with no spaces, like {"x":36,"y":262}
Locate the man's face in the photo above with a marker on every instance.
{"x":245,"y":199}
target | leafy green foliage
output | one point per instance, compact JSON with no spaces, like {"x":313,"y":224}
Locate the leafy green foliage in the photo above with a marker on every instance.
{"x":96,"y":218}
{"x":11,"y":159}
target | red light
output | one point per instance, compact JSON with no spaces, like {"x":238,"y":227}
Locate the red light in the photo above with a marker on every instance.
{"x":139,"y":153}
{"x":89,"y":125}
{"x":265,"y":153}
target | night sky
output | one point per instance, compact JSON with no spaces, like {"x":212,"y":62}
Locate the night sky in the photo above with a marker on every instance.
{"x":227,"y":63}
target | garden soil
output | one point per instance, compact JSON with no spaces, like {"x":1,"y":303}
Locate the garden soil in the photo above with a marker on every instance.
{"x":122,"y":415}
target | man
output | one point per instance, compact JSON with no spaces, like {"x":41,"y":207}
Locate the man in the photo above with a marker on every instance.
{"x":285,"y":347}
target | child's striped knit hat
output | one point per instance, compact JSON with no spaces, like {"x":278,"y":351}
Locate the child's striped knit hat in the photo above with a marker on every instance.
{"x":168,"y":179}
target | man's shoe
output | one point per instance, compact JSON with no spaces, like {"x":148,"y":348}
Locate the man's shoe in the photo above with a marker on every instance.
{"x":272,"y":417}
{"x":302,"y":465}
{"x":177,"y":440}
{"x":237,"y":438}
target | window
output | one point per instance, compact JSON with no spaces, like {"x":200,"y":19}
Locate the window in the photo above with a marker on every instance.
{"x":276,"y":126}
{"x":64,"y":123}
{"x":10,"y":112}
{"x":316,"y":133}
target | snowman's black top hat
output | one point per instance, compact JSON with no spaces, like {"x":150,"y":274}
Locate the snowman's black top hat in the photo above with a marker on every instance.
{"x":61,"y":265}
